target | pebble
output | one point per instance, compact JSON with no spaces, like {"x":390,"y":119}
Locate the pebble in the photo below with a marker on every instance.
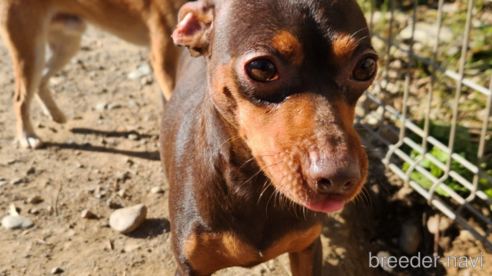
{"x":131,"y":246}
{"x":34,"y":199}
{"x":133,"y":137}
{"x":101,"y":106}
{"x":31,"y":170}
{"x":112,"y":106}
{"x":147,"y":80}
{"x":87,"y":214}
{"x":425,"y":32}
{"x":126,"y":220}
{"x":383,"y":255}
{"x":140,"y":71}
{"x":33,"y":211}
{"x":156,"y":190}
{"x":112,"y":204}
{"x":432,"y":223}
{"x":79,"y":166}
{"x":122,"y":193}
{"x":132,"y":103}
{"x":465,"y":235}
{"x":16,"y":222}
{"x":25,"y":255}
{"x":3,"y":183}
{"x":16,"y":181}
{"x":410,"y":237}
{"x":56,"y":270}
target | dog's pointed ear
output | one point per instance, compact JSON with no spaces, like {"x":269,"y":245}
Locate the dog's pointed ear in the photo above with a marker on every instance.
{"x":194,"y":27}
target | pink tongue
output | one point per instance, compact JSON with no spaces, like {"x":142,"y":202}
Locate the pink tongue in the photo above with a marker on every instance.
{"x":327,"y":206}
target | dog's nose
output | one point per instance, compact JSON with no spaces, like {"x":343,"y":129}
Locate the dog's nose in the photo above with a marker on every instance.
{"x":333,"y":177}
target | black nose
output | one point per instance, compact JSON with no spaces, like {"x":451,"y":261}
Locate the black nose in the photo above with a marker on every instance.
{"x":333,"y":177}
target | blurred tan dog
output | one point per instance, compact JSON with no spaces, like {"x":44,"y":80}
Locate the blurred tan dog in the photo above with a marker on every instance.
{"x":27,"y":26}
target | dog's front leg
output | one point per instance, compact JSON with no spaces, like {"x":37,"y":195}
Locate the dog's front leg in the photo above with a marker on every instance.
{"x":307,"y":262}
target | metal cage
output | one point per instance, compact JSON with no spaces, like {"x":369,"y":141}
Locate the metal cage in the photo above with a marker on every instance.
{"x":396,"y":133}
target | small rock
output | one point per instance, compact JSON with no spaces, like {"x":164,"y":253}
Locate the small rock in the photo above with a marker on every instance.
{"x":147,"y":80}
{"x":87,"y":214}
{"x":133,"y":137}
{"x":11,"y":161}
{"x":410,"y":237}
{"x":111,"y":203}
{"x":465,"y":235}
{"x":432,"y":223}
{"x":33,"y":211}
{"x":384,"y":256}
{"x":123,"y":176}
{"x":140,"y":71}
{"x":25,"y":255}
{"x":126,"y":220}
{"x":16,"y":222}
{"x":392,"y":88}
{"x":131,"y":246}
{"x":425,"y":32}
{"x":132,"y":103}
{"x":157,"y":190}
{"x":122,"y":193}
{"x":31,"y":170}
{"x":112,"y":106}
{"x":101,"y":106}
{"x":79,"y":166}
{"x":3,"y":183}
{"x":16,"y":181}
{"x":34,"y":199}
{"x":56,"y":270}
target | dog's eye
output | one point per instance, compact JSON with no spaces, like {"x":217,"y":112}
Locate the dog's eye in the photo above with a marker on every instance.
{"x":365,"y":69}
{"x":262,"y":70}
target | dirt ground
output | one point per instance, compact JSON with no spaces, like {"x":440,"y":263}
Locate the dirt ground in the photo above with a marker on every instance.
{"x":106,"y":158}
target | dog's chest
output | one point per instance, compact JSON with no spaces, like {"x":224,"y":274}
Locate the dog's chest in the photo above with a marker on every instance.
{"x":209,"y":252}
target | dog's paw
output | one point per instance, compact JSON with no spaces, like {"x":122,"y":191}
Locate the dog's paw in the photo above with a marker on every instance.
{"x":29,"y":142}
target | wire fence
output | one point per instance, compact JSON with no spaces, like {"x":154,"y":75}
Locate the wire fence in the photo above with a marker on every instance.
{"x":400,"y":121}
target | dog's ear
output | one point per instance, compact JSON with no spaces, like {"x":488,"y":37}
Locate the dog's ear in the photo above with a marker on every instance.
{"x":194,"y":27}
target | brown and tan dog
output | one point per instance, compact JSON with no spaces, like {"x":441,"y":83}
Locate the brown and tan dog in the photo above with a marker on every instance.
{"x":28,"y":26}
{"x":257,"y":141}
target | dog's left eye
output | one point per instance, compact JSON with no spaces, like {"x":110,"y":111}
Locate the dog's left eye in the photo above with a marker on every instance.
{"x":262,"y":70}
{"x":365,"y":69}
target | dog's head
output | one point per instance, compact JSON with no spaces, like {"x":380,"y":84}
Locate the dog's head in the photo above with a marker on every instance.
{"x":287,"y":75}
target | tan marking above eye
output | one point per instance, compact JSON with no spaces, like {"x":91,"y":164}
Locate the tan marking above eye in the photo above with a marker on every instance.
{"x":343,"y":46}
{"x":288,"y":46}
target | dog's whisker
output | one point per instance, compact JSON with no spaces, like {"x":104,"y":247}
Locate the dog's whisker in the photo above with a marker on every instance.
{"x":351,"y":36}
{"x":259,"y":171}
{"x":229,"y":140}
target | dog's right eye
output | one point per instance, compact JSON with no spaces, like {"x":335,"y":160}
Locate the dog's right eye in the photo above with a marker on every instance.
{"x":262,"y":70}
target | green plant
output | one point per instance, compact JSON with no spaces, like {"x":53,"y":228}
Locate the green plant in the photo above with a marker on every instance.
{"x":464,"y":147}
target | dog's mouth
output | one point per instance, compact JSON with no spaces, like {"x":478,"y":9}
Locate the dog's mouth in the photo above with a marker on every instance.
{"x":305,"y":196}
{"x":289,"y":178}
{"x":326,"y":206}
